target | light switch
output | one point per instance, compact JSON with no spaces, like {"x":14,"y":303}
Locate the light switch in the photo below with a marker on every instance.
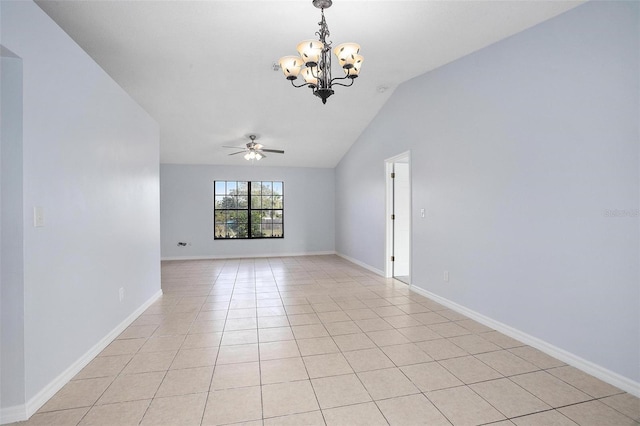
{"x":38,"y":217}
{"x":421,"y":212}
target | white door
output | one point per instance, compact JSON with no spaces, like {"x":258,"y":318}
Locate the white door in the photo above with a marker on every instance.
{"x":401,"y":222}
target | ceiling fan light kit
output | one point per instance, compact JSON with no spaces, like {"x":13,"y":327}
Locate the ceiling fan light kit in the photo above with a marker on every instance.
{"x":315,"y":57}
{"x":253,"y":155}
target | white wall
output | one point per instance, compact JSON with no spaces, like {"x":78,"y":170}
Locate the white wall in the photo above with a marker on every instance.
{"x":11,"y":233}
{"x":517,"y":153}
{"x":91,"y":159}
{"x":186,"y":206}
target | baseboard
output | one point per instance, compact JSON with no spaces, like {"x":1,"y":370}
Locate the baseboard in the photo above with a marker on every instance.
{"x":361,"y":264}
{"x":13,"y":414}
{"x":247,"y":256}
{"x":23,"y":412}
{"x":588,"y":367}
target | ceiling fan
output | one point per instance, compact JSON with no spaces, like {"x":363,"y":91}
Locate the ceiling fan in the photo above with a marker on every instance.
{"x":254,"y":150}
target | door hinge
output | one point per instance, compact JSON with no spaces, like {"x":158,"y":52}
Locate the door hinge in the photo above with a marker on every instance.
{"x":393,"y":217}
{"x":393,"y":175}
{"x":393,"y":258}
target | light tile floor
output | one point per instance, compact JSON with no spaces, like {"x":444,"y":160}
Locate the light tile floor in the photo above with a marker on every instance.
{"x":317,"y":340}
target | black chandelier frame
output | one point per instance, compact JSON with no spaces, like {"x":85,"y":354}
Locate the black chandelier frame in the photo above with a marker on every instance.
{"x":321,"y":70}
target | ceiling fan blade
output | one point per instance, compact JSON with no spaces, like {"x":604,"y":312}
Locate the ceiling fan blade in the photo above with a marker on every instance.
{"x":234,"y":147}
{"x":275,"y":151}
{"x":239,"y":152}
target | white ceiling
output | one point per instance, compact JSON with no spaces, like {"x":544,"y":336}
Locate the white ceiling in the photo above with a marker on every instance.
{"x":203,"y":69}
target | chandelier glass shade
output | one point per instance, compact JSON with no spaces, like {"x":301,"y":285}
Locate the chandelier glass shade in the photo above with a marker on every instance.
{"x":314,"y":61}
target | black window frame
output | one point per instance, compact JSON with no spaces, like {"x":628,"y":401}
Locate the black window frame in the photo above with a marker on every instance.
{"x":235,"y":203}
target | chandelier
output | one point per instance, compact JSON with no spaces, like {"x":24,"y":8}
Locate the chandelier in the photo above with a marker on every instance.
{"x":315,"y":57}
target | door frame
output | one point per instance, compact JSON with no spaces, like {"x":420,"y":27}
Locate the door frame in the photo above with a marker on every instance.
{"x":389,"y":162}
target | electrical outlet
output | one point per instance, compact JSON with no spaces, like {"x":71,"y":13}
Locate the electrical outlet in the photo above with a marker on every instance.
{"x":121,"y":293}
{"x":446,"y":276}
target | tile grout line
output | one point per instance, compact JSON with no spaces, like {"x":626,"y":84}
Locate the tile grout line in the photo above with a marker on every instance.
{"x":215,"y":362}
{"x":317,"y":281}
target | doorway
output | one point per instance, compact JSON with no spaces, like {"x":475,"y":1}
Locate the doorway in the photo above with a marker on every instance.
{"x":399,"y":218}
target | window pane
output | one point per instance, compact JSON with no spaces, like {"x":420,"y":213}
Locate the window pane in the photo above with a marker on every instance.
{"x":277,"y":202}
{"x":220,"y":188}
{"x":266,"y":223}
{"x":255,"y":188}
{"x":221,"y":217}
{"x":277,"y":216}
{"x":220,"y":230}
{"x":231,"y":224}
{"x":277,"y":188}
{"x":220,"y":227}
{"x":243,"y":231}
{"x":267,"y":188}
{"x":242,"y":188}
{"x":242,"y":202}
{"x":277,"y":230}
{"x":219,"y":201}
{"x":256,"y":202}
{"x":231,"y":188}
{"x":256,"y":218}
{"x":242,"y":218}
{"x":266,"y":216}
{"x":267,"y":202}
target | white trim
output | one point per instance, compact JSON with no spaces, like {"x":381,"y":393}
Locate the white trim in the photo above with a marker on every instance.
{"x":362,"y":264}
{"x":13,"y":414}
{"x":23,"y":412}
{"x":247,"y":256}
{"x":401,"y":156}
{"x":576,"y":361}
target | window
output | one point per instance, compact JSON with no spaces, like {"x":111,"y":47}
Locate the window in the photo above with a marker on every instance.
{"x":248,"y":209}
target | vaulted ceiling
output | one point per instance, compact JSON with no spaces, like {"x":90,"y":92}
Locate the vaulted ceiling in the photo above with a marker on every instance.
{"x":204,"y":69}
